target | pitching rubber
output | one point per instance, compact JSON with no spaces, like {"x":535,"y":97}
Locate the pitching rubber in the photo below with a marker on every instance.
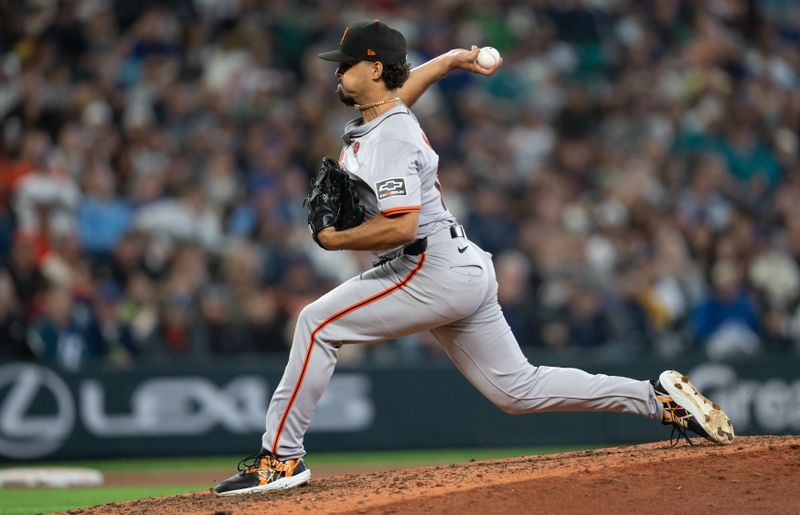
{"x":283,"y":483}
{"x":709,"y":415}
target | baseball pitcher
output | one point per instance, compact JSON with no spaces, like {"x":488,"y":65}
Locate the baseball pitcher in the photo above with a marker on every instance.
{"x":383,"y":195}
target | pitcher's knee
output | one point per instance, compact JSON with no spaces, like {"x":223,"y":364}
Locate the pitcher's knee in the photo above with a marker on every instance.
{"x":508,"y":404}
{"x":311,"y":326}
{"x":520,"y":398}
{"x":312,"y":316}
{"x":513,"y":408}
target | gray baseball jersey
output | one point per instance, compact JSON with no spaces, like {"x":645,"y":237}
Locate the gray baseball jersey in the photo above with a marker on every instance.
{"x":396,"y":169}
{"x":449,"y":289}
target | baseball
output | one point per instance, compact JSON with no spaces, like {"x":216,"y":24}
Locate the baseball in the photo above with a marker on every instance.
{"x":488,"y":57}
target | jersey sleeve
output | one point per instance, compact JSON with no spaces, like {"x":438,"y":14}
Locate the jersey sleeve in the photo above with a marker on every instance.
{"x":395,"y":177}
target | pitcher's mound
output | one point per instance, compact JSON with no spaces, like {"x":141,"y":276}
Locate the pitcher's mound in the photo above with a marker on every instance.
{"x":754,"y":474}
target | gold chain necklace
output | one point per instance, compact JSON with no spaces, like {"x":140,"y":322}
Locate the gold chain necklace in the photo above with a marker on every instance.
{"x":364,"y":107}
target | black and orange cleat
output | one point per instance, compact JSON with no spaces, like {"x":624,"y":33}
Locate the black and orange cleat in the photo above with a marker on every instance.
{"x":685,"y":408}
{"x":262,"y":472}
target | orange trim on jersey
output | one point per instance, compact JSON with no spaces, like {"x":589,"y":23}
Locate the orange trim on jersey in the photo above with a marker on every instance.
{"x":400,"y":210}
{"x":330,"y":320}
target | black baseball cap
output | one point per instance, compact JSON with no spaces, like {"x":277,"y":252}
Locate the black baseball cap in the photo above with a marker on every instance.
{"x":369,"y":41}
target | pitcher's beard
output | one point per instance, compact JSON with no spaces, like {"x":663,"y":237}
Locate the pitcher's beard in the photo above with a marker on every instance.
{"x":346,"y":100}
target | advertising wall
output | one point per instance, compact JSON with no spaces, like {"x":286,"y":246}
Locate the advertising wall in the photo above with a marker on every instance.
{"x":50,"y":414}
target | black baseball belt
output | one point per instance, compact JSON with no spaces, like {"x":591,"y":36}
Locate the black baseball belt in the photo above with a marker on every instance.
{"x":417,"y":247}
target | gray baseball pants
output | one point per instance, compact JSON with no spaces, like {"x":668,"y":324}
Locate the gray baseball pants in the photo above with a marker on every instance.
{"x":451,"y":291}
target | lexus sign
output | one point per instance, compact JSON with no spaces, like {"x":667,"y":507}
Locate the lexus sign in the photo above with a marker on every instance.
{"x":24,"y":433}
{"x":39,"y":411}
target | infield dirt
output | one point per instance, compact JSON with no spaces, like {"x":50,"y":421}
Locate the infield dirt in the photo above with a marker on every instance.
{"x":752,"y":475}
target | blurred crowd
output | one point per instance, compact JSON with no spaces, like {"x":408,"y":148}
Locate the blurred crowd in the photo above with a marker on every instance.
{"x":633,"y":167}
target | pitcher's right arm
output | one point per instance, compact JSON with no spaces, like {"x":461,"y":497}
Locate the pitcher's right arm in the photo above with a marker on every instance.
{"x":424,"y":75}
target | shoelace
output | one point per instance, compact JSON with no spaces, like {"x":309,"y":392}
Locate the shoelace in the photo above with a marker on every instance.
{"x":250,"y":462}
{"x":677,"y":417}
{"x":253,"y":462}
{"x":673,"y":441}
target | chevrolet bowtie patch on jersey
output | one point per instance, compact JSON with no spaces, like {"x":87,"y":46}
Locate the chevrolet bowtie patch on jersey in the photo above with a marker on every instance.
{"x":393,"y":187}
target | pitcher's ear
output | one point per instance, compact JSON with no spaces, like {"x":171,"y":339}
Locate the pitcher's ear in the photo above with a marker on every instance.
{"x":377,"y":70}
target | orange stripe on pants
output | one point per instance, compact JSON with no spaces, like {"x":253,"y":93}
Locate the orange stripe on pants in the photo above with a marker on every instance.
{"x":328,"y":321}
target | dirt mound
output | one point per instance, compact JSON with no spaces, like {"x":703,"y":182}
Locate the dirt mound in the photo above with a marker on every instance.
{"x":754,"y":474}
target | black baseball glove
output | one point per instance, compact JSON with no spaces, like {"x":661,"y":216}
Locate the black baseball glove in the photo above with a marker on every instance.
{"x":333,"y":200}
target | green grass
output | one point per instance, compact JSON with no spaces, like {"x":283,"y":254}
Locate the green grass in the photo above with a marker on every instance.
{"x":26,"y":501}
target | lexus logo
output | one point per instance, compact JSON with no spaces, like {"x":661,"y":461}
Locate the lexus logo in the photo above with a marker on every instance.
{"x":26,"y":434}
